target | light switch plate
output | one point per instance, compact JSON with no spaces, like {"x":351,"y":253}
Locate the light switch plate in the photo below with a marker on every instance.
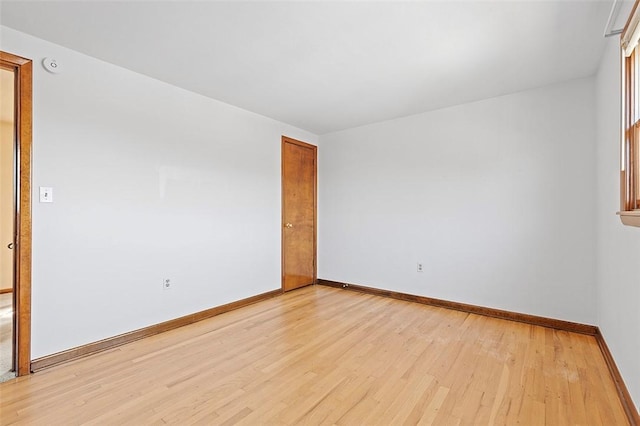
{"x":46,"y":194}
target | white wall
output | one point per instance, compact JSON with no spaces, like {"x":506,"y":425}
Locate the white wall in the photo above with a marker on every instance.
{"x":150,"y":181}
{"x":618,"y":274}
{"x":486,"y":195}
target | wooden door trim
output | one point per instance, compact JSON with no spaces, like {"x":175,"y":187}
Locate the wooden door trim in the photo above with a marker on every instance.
{"x":23,"y":68}
{"x":314,"y":148}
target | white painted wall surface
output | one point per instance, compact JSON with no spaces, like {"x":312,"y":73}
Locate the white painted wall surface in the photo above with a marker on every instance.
{"x":150,"y":181}
{"x":485,"y":194}
{"x":618,"y":273}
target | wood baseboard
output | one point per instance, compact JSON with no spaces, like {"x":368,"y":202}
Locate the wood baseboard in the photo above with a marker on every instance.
{"x":6,"y":290}
{"x":623,"y":393}
{"x":625,"y":397}
{"x":474,"y":309}
{"x":111,"y":342}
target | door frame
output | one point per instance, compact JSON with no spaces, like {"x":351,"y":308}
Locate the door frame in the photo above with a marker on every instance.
{"x":286,"y":139}
{"x":23,"y":69}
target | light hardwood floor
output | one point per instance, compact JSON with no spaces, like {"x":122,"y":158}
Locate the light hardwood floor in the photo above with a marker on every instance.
{"x":321,"y":355}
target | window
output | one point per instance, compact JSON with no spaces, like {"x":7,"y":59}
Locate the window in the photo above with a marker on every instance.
{"x":630,"y":150}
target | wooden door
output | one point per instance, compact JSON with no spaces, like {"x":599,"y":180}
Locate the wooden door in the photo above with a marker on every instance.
{"x":298,"y":214}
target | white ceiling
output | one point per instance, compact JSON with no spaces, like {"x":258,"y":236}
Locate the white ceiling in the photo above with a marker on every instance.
{"x":327,"y":66}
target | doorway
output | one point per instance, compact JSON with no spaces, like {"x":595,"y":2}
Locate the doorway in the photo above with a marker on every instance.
{"x":15,"y":214}
{"x":7,"y":221}
{"x":299,"y":204}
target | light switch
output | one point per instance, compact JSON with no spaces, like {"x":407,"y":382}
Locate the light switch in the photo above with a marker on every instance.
{"x":46,"y":194}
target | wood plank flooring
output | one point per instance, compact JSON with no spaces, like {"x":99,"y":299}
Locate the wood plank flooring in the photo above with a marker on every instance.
{"x":321,"y":355}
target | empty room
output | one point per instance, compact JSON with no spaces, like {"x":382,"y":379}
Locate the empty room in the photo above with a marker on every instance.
{"x":320,"y":212}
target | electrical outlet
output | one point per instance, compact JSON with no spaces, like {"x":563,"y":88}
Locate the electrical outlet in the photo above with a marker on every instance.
{"x":166,"y":283}
{"x":420,"y":269}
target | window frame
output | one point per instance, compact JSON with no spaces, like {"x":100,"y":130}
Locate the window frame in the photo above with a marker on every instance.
{"x":630,"y":134}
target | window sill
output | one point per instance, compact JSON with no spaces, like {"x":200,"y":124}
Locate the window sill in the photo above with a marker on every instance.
{"x":630,"y":218}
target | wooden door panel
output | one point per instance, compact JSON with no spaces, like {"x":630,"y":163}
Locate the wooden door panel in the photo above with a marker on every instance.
{"x":298,"y":214}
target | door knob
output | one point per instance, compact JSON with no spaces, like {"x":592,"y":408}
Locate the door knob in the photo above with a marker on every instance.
{"x":10,"y":246}
{"x":289,"y":225}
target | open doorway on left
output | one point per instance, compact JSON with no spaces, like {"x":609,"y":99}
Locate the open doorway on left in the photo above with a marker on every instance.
{"x":7,"y":222}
